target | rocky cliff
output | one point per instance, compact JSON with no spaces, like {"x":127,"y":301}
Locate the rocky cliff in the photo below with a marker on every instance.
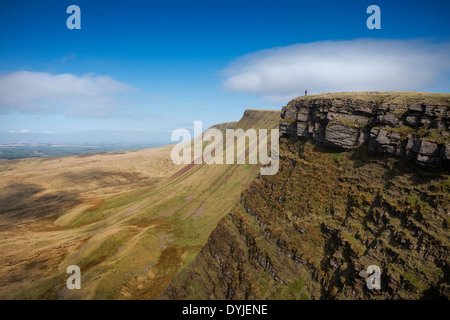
{"x":311,"y":230}
{"x":405,"y":124}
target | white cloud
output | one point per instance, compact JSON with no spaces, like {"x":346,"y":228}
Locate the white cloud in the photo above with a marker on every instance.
{"x":41,"y":93}
{"x":19,"y":131}
{"x":283,"y":73}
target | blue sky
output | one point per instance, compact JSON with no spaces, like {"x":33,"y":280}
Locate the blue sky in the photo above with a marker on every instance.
{"x":139,"y":69}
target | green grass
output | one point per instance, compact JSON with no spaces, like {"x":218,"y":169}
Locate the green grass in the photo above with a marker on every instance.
{"x":435,"y":136}
{"x":346,"y":122}
{"x":335,"y":156}
{"x":391,"y":97}
{"x":288,"y":120}
{"x":108,"y":207}
{"x":294,"y":291}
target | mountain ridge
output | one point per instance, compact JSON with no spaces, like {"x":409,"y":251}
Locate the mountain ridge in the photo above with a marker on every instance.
{"x":130,"y":221}
{"x":311,"y":231}
{"x":226,"y":232}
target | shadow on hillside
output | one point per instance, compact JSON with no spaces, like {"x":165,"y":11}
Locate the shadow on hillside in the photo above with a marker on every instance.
{"x":397,"y":166}
{"x":104,"y":153}
{"x":417,"y":175}
{"x":393,"y":166}
{"x":103,"y":177}
{"x":24,"y":201}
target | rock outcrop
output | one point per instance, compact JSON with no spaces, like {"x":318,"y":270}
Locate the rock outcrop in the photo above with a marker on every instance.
{"x":405,"y":124}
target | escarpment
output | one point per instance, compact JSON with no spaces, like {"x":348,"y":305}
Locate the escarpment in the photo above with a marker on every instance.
{"x":312,"y":230}
{"x":405,"y":124}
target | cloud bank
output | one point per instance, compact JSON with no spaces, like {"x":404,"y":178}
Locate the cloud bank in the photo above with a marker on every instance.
{"x":281,"y":74}
{"x":19,"y":131}
{"x":44,"y":93}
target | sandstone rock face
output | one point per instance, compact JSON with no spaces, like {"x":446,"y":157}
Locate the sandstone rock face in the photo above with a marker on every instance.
{"x":446,"y":151}
{"x":417,"y":131}
{"x":288,"y":128}
{"x":341,"y":136}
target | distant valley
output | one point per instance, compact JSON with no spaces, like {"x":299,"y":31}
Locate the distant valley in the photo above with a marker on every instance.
{"x":29,"y":150}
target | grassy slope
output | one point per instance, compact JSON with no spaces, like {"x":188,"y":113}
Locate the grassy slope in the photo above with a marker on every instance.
{"x":129,"y":244}
{"x":35,"y":192}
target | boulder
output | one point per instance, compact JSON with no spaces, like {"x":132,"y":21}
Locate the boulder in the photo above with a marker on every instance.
{"x":318,"y":132}
{"x":287,"y":112}
{"x":363,"y":274}
{"x":302,"y":117}
{"x":382,"y":137}
{"x":389,"y":120}
{"x":301,"y":129}
{"x":413,"y":143}
{"x":415,"y":107}
{"x":411,"y":121}
{"x":425,"y":121}
{"x":445,"y":152}
{"x":342,"y":136}
{"x":288,"y":128}
{"x":428,"y":160}
{"x":429,"y":148}
{"x":435,"y":111}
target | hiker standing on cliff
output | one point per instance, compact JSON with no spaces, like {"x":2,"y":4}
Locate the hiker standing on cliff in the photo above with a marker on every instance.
{"x":306,"y":92}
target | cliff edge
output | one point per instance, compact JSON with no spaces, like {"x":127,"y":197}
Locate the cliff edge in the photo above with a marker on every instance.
{"x":414,"y":125}
{"x":312,"y":230}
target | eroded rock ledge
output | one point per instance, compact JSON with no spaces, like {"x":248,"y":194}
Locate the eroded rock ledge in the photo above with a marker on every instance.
{"x":406,"y":124}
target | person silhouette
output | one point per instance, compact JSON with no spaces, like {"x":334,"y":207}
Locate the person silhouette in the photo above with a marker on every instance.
{"x":306,"y":92}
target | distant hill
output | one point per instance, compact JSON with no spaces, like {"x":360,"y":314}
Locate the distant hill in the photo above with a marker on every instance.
{"x":36,"y":150}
